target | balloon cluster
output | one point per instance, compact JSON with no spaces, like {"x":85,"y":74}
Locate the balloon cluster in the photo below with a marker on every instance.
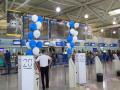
{"x":72,"y":36}
{"x":34,"y":33}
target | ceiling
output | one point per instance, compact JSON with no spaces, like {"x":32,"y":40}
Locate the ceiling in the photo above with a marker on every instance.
{"x":71,"y":9}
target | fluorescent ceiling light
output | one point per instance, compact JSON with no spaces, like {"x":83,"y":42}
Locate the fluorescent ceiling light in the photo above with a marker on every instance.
{"x":102,"y":30}
{"x":114,"y":22}
{"x":114,"y":12}
{"x":114,"y":32}
{"x":58,"y":9}
{"x":86,"y":16}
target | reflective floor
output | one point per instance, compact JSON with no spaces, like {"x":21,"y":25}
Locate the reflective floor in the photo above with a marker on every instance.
{"x":59,"y":80}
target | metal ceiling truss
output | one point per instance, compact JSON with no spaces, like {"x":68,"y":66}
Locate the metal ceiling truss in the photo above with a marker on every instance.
{"x":74,"y":2}
{"x":80,"y":13}
{"x":110,"y":6}
{"x":23,"y":4}
{"x":65,"y":11}
{"x":95,"y":13}
{"x":53,"y":1}
{"x":36,"y":8}
{"x":87,"y":4}
{"x":102,"y":13}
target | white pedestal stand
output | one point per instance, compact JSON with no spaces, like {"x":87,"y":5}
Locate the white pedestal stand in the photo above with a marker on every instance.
{"x":26,"y":74}
{"x":72,"y":74}
{"x":81,"y":68}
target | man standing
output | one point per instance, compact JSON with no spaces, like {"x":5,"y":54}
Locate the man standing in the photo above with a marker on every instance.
{"x":43,"y":59}
{"x":7,"y":57}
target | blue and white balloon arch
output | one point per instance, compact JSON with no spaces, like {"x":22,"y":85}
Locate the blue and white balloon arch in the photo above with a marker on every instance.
{"x":72,"y":36}
{"x":34,"y":33}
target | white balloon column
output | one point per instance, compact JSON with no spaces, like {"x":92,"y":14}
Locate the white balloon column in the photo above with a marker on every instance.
{"x":72,"y":36}
{"x":35,"y":27}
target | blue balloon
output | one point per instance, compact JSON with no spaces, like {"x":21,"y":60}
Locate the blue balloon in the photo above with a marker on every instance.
{"x":71,"y":23}
{"x":69,"y":38}
{"x":29,"y":52}
{"x":39,"y":44}
{"x":72,"y":45}
{"x":69,"y":51}
{"x":40,"y":18}
{"x":32,"y":44}
{"x":32,"y":26}
{"x":30,"y":35}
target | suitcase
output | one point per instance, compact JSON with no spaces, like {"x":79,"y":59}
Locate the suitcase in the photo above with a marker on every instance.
{"x":118,"y":73}
{"x":99,"y":77}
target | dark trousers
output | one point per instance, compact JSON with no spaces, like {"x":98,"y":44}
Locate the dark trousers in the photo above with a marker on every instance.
{"x":8,"y":67}
{"x":45,"y":76}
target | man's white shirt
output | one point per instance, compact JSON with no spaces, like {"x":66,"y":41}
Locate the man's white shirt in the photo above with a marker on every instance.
{"x":43,"y":59}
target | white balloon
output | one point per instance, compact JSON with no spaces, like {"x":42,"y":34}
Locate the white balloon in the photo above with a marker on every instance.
{"x":75,"y":39}
{"x":34,"y":18}
{"x":27,"y":45}
{"x":36,"y":33}
{"x":72,"y":31}
{"x":36,"y":51}
{"x":75,"y":33}
{"x":68,"y":25}
{"x":76,"y":25}
{"x":39,"y":25}
{"x":68,"y":45}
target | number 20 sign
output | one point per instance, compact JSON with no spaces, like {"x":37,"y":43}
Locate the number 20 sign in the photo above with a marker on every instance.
{"x":27,"y":63}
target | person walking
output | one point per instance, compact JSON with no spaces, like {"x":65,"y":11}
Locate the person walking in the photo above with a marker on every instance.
{"x":7,"y":57}
{"x":44,"y":63}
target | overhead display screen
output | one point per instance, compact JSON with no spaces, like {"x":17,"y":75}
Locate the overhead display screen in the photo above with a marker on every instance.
{"x":14,"y":23}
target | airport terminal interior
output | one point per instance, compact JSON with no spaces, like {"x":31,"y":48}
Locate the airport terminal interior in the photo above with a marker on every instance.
{"x":68,"y":44}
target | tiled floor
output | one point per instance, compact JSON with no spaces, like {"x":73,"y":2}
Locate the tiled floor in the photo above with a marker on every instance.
{"x":59,"y":80}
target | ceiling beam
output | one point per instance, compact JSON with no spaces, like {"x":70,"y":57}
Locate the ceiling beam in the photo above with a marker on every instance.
{"x":67,"y":10}
{"x":110,"y":6}
{"x":90,"y":1}
{"x":23,"y":4}
{"x":100,"y":9}
{"x":56,"y":2}
{"x":106,"y":27}
{"x":103,"y":13}
{"x":75,"y":2}
{"x":93,"y":2}
{"x":80,"y":13}
{"x":95,"y":13}
{"x":37,"y":8}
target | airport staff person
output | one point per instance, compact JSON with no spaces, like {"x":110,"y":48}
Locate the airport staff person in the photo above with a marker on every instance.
{"x":43,"y":59}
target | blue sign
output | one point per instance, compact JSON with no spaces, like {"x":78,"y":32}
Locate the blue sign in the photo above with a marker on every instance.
{"x":92,"y":44}
{"x":62,"y":43}
{"x":16,"y":42}
{"x":113,"y":45}
{"x":102,"y":45}
{"x":46,"y":43}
